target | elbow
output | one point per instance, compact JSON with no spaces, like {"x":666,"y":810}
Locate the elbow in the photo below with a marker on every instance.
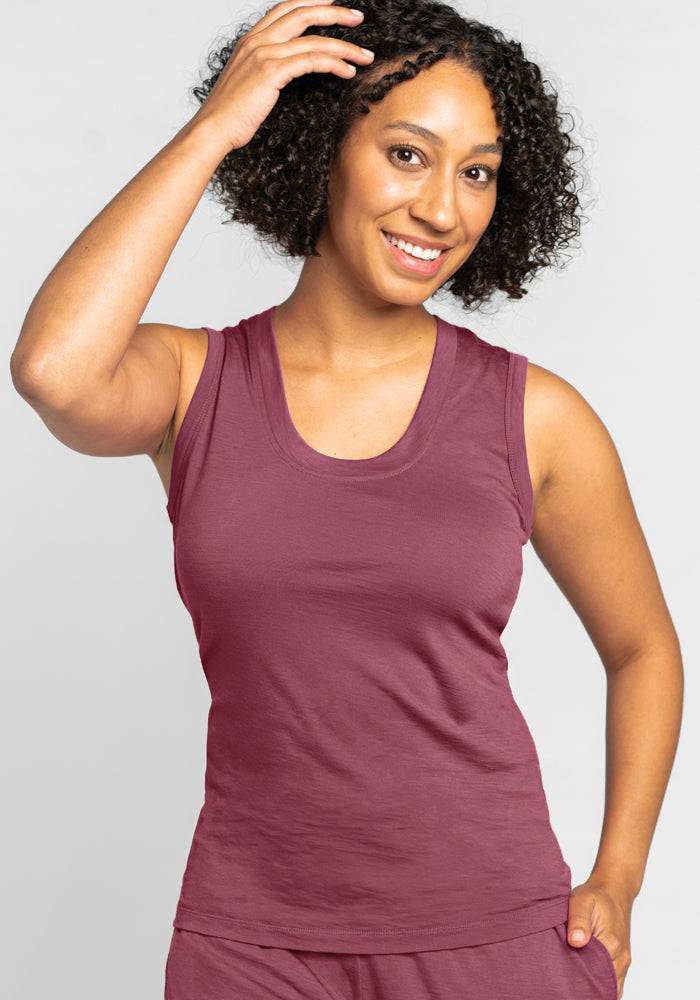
{"x":30,"y":376}
{"x":23,"y":374}
{"x":40,"y":379}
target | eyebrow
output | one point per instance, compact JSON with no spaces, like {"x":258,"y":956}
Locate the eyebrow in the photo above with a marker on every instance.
{"x":425,"y":133}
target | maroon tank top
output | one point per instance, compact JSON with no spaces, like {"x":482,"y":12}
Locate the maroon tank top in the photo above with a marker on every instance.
{"x":371,"y":784}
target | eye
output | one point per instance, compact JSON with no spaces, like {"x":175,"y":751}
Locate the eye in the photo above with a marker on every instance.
{"x":480,"y":174}
{"x":411,"y":150}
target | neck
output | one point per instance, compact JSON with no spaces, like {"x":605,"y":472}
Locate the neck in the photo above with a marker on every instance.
{"x":335,"y":326}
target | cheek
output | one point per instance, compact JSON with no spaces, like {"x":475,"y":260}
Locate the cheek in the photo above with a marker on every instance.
{"x":390,"y":192}
{"x":374,"y":190}
{"x":482,"y":213}
{"x":356,"y":193}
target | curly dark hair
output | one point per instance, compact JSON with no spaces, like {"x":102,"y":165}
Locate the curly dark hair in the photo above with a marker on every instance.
{"x":277,"y":182}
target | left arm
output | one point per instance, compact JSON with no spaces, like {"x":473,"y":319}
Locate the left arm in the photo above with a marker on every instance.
{"x":587,"y":535}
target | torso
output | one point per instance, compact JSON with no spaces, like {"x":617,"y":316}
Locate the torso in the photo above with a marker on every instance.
{"x":348,"y":416}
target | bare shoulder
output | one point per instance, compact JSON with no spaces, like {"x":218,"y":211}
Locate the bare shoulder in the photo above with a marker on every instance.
{"x":561,"y":428}
{"x":585,"y":527}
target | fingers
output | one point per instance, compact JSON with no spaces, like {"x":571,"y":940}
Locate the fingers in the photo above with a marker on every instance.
{"x":320,"y":54}
{"x":291,"y":18}
{"x":280,"y":9}
{"x":580,"y":918}
{"x":279,"y":36}
{"x":273,"y":53}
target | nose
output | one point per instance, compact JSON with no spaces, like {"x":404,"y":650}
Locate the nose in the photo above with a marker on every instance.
{"x":436,"y":203}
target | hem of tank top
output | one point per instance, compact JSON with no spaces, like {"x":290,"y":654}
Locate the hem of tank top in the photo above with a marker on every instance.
{"x":196,"y":413}
{"x":360,"y":476}
{"x":519,"y":923}
{"x":526,"y":507}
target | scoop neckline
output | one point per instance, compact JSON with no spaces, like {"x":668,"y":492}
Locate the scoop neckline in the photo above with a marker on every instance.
{"x":399,"y":456}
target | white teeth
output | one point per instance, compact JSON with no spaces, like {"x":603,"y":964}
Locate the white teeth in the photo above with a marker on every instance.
{"x":418,"y":252}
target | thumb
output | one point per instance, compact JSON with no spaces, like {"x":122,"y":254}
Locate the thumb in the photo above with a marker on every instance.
{"x":580,"y":919}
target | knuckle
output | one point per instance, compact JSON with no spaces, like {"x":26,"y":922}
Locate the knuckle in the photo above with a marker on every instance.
{"x":257,"y":54}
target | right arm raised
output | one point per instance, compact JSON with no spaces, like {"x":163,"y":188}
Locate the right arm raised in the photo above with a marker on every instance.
{"x":101,"y":382}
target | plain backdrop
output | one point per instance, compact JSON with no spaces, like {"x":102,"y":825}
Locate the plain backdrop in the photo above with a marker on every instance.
{"x":103,"y":701}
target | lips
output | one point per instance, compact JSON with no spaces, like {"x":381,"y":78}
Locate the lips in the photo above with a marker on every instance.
{"x":409,"y":263}
{"x":414,"y":241}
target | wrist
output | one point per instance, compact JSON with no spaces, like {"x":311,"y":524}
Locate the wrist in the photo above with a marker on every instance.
{"x":617,"y":880}
{"x":203,"y":139}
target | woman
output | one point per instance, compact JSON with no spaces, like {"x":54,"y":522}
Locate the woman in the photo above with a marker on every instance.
{"x":351,"y":480}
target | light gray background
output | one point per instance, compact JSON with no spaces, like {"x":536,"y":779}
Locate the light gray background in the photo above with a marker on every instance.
{"x":103,"y":701}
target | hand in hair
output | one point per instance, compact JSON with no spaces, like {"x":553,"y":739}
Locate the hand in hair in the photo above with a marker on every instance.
{"x":270,"y":55}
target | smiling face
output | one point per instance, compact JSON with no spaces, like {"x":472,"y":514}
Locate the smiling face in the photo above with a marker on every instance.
{"x":420,"y":167}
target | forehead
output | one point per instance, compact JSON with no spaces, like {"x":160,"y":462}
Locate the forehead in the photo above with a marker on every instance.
{"x":448,"y":98}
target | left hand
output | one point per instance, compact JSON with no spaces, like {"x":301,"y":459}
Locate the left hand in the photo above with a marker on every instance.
{"x":601,"y":910}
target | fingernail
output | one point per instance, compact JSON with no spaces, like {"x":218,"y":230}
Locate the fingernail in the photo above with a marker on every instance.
{"x":368,"y":52}
{"x":578,"y":935}
{"x":353,"y":10}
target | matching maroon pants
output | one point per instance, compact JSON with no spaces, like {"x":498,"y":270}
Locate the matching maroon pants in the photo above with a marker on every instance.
{"x":541,"y":966}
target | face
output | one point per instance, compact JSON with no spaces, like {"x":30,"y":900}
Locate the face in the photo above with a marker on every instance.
{"x":420,"y":167}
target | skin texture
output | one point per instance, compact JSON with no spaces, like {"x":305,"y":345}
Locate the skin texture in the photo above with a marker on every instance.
{"x":355,"y":342}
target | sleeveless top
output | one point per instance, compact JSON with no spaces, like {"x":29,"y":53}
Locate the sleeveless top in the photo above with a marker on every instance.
{"x":371,"y":785}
